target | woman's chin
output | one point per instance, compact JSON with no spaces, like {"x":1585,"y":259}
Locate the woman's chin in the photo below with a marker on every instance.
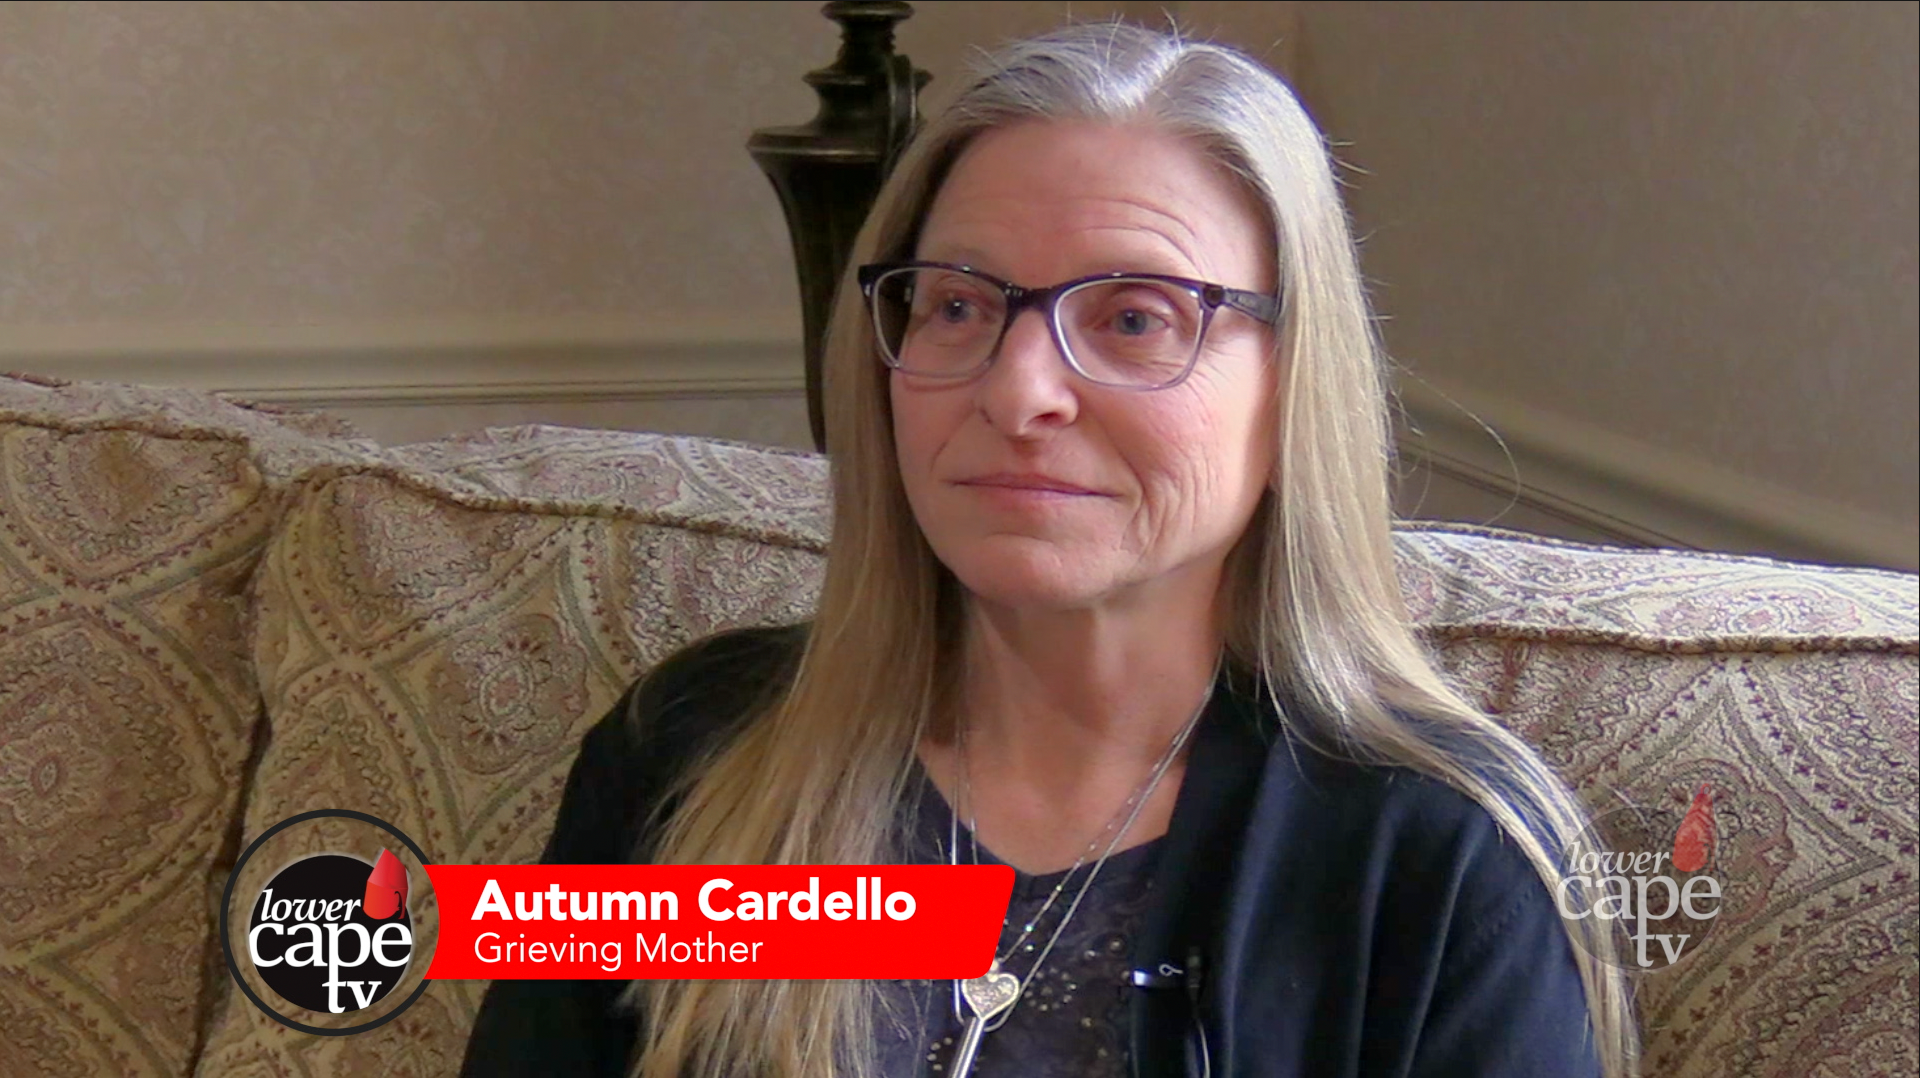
{"x":1032,"y":583}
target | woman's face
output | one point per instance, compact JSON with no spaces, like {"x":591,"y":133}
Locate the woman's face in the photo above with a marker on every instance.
{"x":1038,"y":488}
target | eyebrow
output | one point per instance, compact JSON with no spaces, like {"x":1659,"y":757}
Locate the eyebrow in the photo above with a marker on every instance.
{"x":962,"y":256}
{"x":974,"y":258}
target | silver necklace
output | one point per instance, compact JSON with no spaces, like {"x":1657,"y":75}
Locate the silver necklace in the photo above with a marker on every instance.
{"x":989,"y":999}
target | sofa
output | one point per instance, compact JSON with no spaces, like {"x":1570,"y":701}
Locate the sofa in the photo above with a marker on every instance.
{"x":215,"y":616}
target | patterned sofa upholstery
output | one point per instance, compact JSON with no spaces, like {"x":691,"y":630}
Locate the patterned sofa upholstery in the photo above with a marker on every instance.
{"x":213,"y":617}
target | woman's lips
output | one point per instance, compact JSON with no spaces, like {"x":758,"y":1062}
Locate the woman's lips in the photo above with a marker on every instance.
{"x":1027,"y":484}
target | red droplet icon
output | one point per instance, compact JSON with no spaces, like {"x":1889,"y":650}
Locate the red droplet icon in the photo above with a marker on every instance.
{"x":387,"y":887}
{"x":1693,"y":843}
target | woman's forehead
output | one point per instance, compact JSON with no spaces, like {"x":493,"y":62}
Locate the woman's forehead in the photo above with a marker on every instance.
{"x":1084,"y":198}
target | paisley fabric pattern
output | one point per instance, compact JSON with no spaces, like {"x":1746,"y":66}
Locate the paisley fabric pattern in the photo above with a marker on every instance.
{"x":1792,"y":691}
{"x":1465,"y":581}
{"x":130,"y":521}
{"x":436,"y":633}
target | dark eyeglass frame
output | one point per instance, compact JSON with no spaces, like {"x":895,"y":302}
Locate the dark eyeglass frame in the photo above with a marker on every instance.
{"x":1256,"y":305}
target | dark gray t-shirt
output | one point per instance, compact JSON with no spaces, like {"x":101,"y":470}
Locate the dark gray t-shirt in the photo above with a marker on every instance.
{"x":1071,"y":1020}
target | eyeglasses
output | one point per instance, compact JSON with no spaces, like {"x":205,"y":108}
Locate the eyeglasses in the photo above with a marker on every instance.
{"x":1124,"y":330}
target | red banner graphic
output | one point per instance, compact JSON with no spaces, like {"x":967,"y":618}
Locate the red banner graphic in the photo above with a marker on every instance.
{"x":637,"y":922}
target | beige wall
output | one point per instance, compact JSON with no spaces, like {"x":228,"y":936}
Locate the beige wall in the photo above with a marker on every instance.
{"x":1674,"y":240}
{"x":1667,"y":249}
{"x":530,"y":208}
{"x":215,"y":162}
{"x":269,"y":163}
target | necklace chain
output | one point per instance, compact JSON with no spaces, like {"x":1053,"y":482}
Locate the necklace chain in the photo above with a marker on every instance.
{"x":1124,"y":817}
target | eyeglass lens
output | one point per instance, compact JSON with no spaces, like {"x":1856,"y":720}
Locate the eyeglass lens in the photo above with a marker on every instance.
{"x":1124,"y":332}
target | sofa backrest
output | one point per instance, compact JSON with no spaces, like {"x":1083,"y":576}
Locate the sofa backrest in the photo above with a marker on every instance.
{"x":436,"y":631}
{"x":1790,"y":691}
{"x":432,"y":628}
{"x":130,"y":524}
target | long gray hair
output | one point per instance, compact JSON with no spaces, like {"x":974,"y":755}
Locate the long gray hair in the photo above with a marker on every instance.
{"x":1317,"y":608}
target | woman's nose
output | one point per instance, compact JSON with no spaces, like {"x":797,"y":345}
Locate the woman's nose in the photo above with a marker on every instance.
{"x":1029,"y":388}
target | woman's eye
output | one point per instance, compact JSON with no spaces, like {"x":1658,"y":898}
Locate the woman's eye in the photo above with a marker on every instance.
{"x":1135,"y":322}
{"x":955,"y":311}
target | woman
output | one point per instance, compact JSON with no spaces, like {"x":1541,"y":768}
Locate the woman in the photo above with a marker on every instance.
{"x":1111,"y":598}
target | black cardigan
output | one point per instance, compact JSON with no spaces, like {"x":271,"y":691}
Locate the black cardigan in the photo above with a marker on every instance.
{"x":1318,"y":918}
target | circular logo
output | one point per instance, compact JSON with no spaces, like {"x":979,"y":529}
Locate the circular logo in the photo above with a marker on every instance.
{"x":330,"y":932}
{"x":1647,"y":879}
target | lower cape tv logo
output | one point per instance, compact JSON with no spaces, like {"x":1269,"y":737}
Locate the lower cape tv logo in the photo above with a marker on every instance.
{"x":330,"y":932}
{"x":1647,"y":878}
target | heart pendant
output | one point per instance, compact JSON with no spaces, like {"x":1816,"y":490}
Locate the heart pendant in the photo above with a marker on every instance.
{"x":990,"y":994}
